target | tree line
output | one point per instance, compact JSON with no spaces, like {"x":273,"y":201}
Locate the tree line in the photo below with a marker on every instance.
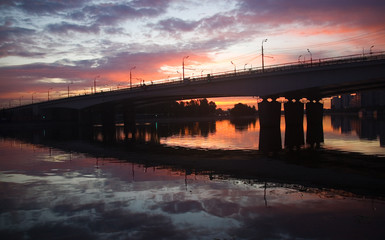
{"x":197,"y":108}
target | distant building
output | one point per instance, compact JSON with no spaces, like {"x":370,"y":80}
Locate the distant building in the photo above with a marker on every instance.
{"x":341,"y":102}
{"x":370,"y":99}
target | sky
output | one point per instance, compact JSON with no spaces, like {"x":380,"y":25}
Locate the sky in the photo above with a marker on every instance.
{"x":60,"y":47}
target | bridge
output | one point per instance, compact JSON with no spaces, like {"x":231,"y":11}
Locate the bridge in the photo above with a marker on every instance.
{"x":313,"y":80}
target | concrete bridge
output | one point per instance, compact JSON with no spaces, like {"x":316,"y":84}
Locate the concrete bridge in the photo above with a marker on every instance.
{"x":312,"y":80}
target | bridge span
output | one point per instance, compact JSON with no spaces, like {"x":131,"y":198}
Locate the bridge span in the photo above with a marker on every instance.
{"x":312,"y":80}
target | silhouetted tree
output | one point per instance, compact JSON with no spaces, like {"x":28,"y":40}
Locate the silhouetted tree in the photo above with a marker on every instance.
{"x":241,"y":109}
{"x":192,"y":108}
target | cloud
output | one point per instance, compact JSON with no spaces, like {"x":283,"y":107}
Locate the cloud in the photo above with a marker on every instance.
{"x":107,"y":14}
{"x":178,"y":207}
{"x":14,"y":39}
{"x":176,"y":25}
{"x":66,"y":28}
{"x":36,"y":77}
{"x":43,"y":7}
{"x":81,"y":39}
{"x":324,"y":13}
{"x":14,"y":49}
{"x":8,"y":33}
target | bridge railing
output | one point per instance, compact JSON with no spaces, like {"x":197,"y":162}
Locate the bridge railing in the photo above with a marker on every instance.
{"x":277,"y":67}
{"x":239,"y":73}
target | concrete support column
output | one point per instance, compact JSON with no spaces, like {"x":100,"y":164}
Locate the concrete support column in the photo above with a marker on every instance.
{"x":314,"y":117}
{"x":294,"y":134}
{"x":129,"y":121}
{"x":269,"y":121}
{"x":84,"y":117}
{"x":108,"y":122}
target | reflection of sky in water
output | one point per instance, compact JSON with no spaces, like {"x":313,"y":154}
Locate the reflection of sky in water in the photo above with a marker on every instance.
{"x":81,"y":198}
{"x":227,"y":137}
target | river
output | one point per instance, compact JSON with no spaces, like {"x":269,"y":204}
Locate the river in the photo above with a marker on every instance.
{"x":192,"y":180}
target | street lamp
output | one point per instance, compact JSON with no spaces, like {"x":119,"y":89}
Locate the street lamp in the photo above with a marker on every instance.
{"x":299,"y":58}
{"x":235,"y":67}
{"x":244,"y":67}
{"x":32,"y":97}
{"x":131,"y":76}
{"x":311,"y":57}
{"x":48,"y":93}
{"x":95,"y":83}
{"x":263,"y":61}
{"x":68,"y":89}
{"x":371,"y":49}
{"x":183,"y":65}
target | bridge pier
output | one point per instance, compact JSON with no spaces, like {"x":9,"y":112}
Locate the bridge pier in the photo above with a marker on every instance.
{"x":269,"y":122}
{"x":129,"y":120}
{"x":294,"y":134}
{"x":108,"y":123}
{"x":314,"y":117}
{"x":84,"y":117}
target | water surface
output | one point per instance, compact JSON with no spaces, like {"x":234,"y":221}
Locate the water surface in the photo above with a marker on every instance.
{"x":98,"y":184}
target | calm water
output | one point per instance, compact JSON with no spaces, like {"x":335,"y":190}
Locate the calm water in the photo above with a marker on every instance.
{"x":70,"y":183}
{"x":343,"y":133}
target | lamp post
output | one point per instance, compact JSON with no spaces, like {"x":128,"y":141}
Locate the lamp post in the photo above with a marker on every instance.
{"x":263,"y":61}
{"x":95,"y":83}
{"x":244,"y":67}
{"x":68,"y":89}
{"x":48,"y":93}
{"x":299,"y":58}
{"x":311,"y":57}
{"x":370,"y":51}
{"x":32,"y":97}
{"x":183,"y":65}
{"x":131,"y":76}
{"x":235,"y":67}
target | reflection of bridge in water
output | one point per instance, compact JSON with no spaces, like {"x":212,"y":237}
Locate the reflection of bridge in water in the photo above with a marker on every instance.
{"x":313,"y":80}
{"x":365,"y":128}
{"x":103,"y":143}
{"x":230,"y":134}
